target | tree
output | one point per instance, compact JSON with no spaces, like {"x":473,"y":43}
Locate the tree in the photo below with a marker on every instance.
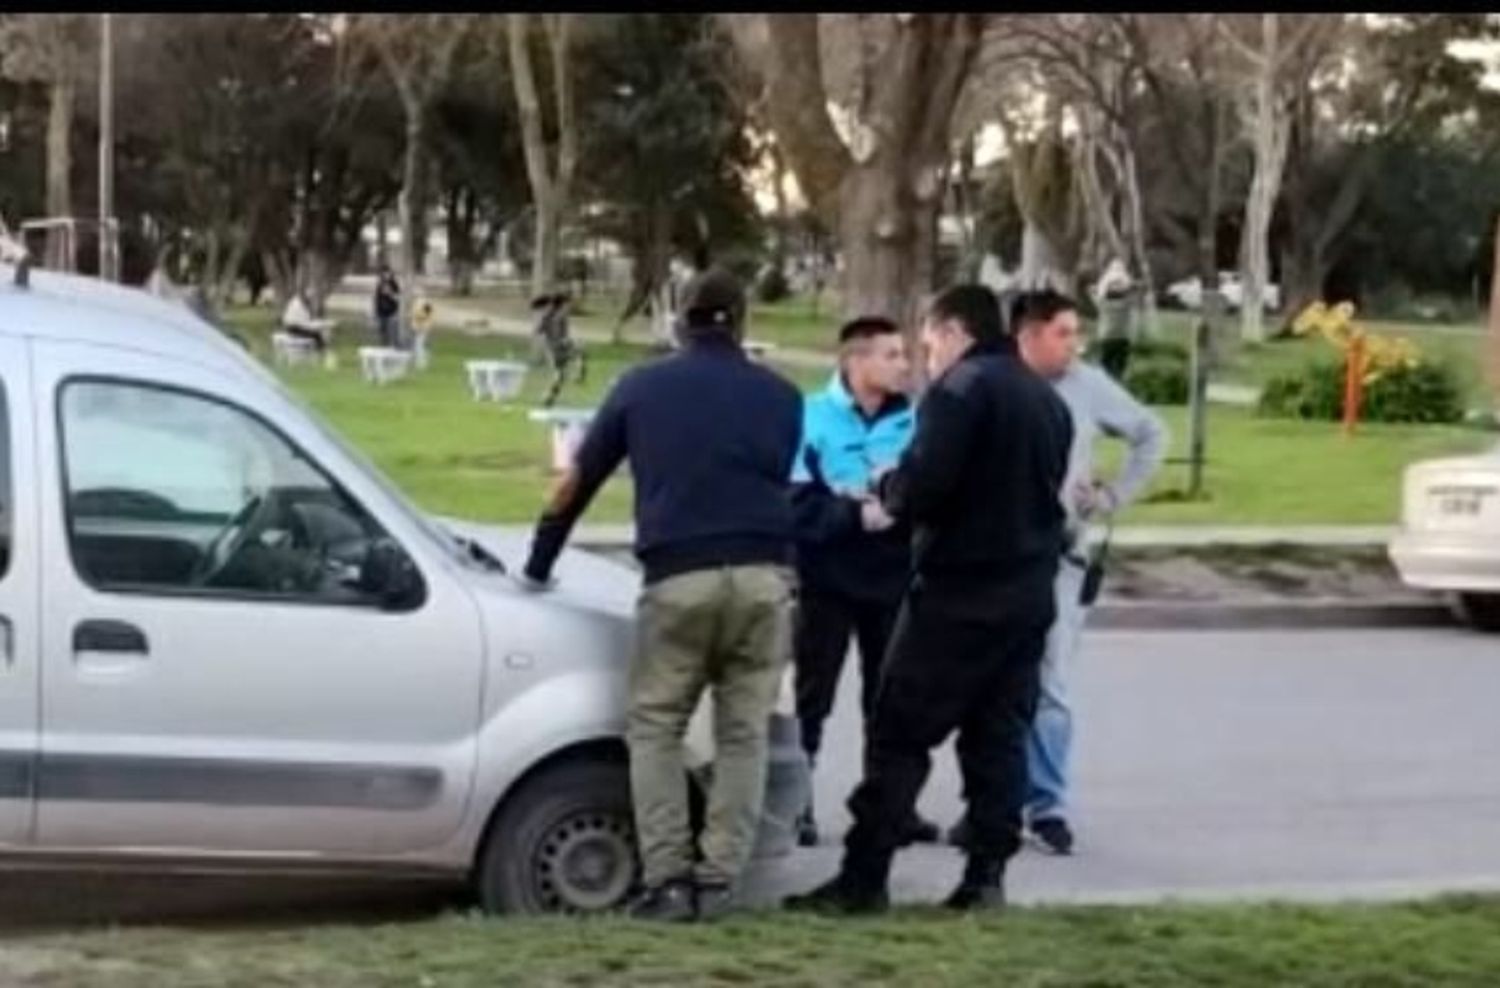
{"x":881,"y":183}
{"x":480,"y":164}
{"x":1405,"y":83}
{"x":667,"y":145}
{"x":56,"y":50}
{"x":1285,"y":53}
{"x":417,"y":51}
{"x":550,"y":169}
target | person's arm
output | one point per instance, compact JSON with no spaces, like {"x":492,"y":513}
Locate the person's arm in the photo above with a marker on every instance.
{"x":923,"y":482}
{"x":819,"y":514}
{"x":601,"y":451}
{"x":1121,"y":415}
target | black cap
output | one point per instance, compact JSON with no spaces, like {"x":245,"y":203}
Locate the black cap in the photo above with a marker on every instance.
{"x":714,"y":299}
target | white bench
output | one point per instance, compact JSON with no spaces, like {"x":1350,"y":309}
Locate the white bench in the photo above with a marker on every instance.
{"x":495,"y":380}
{"x":381,"y":365}
{"x":292,"y":350}
{"x":568,"y":428}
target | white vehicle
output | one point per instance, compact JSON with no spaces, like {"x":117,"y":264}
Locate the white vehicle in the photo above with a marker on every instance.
{"x":228,"y":639}
{"x":1188,"y":293}
{"x":1450,"y":533}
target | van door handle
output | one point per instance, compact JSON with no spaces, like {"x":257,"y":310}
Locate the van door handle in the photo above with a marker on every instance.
{"x":115,"y":637}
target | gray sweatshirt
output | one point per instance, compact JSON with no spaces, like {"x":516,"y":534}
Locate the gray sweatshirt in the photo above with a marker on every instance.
{"x":1100,"y":405}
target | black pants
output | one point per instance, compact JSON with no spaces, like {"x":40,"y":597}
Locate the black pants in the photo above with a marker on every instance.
{"x":944,"y":674}
{"x":1114,"y":357}
{"x":825,"y":623}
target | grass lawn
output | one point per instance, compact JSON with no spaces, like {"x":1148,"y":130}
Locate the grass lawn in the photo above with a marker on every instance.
{"x":1454,"y":941}
{"x":488,"y":462}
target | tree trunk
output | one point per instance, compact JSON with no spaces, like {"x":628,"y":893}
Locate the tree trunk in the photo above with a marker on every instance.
{"x":544,"y":251}
{"x":1270,"y":126}
{"x":409,"y":206}
{"x":60,"y":172}
{"x":886,"y":236}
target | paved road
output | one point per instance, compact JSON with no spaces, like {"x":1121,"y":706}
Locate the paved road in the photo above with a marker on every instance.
{"x":1307,"y":765}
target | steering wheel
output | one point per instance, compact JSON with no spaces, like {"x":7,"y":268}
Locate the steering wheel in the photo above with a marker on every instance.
{"x":248,"y":524}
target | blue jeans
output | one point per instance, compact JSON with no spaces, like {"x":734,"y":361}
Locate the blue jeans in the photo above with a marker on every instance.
{"x":1050,"y":739}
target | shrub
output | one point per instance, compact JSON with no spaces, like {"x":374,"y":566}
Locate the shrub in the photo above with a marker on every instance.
{"x":1168,"y":350}
{"x":1158,"y":381}
{"x":773,"y":286}
{"x":1428,"y":392}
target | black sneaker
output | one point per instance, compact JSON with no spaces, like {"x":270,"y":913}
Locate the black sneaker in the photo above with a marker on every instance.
{"x":920,"y":831}
{"x":840,"y":896}
{"x":1054,"y":836}
{"x":982,"y":888}
{"x":669,"y":902}
{"x":807,"y":829}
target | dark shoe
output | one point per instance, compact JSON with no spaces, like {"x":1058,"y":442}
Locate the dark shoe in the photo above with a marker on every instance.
{"x":959,"y":834}
{"x":920,"y":831}
{"x":807,"y":829}
{"x":982,"y":888}
{"x":1054,"y":836}
{"x":715,"y":900}
{"x":669,"y":902}
{"x":841,"y":896}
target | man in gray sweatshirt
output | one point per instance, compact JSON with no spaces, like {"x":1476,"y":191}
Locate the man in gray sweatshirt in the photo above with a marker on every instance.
{"x":1044,"y":326}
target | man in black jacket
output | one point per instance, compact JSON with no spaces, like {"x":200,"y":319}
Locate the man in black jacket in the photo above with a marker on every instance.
{"x":710,"y":437}
{"x":981,"y":485}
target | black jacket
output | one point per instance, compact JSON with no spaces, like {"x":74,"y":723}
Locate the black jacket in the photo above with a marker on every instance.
{"x":981,"y":485}
{"x":710,"y":437}
{"x":835,"y":555}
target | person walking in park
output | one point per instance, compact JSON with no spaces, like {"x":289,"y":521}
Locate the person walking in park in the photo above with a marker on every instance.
{"x":710,"y":437}
{"x":980,"y":483}
{"x":388,"y":308}
{"x":1045,"y":325}
{"x":554,"y":338}
{"x":853,"y":561}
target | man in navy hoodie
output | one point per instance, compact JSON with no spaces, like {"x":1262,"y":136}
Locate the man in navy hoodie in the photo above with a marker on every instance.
{"x":710,"y":437}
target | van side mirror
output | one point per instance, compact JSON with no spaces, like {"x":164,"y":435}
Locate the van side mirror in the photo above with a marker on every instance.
{"x":389,"y":577}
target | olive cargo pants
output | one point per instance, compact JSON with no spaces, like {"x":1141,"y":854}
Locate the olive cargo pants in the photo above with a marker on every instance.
{"x":726,"y":629}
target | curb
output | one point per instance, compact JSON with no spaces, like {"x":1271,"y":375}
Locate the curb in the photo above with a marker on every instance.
{"x":1303,"y":615}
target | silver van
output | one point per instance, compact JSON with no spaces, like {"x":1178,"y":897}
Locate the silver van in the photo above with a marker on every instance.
{"x":227,"y":639}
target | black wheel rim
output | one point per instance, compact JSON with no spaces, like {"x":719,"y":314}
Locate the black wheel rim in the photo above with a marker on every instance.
{"x":585,"y":862}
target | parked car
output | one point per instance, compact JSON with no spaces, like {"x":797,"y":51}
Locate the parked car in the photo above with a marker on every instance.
{"x":1188,"y":293}
{"x":1450,"y":533}
{"x":228,"y":639}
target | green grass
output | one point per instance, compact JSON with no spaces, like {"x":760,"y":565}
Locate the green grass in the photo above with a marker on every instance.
{"x":1453,"y":941}
{"x":490,"y":463}
{"x":451,"y":454}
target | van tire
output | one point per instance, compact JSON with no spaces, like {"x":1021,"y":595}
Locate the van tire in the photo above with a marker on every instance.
{"x":1480,"y":611}
{"x":563,"y":843}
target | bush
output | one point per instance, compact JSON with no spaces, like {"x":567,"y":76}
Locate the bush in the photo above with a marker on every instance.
{"x":1426,"y":393}
{"x":1167,"y":350}
{"x":773,"y":286}
{"x":1158,"y":381}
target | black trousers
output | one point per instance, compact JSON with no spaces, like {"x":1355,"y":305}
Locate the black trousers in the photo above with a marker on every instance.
{"x":825,"y":624}
{"x":1114,"y":357}
{"x":946,"y":674}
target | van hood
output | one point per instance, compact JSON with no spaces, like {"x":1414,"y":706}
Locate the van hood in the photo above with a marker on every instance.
{"x":585,"y":579}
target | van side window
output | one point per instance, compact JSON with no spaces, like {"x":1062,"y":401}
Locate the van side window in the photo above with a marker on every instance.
{"x":7,"y":507}
{"x":175,"y":492}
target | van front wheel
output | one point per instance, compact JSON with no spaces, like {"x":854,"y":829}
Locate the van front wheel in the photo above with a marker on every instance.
{"x":564,"y":843}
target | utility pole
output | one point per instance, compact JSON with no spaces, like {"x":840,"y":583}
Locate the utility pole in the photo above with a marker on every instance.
{"x":108,"y":262}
